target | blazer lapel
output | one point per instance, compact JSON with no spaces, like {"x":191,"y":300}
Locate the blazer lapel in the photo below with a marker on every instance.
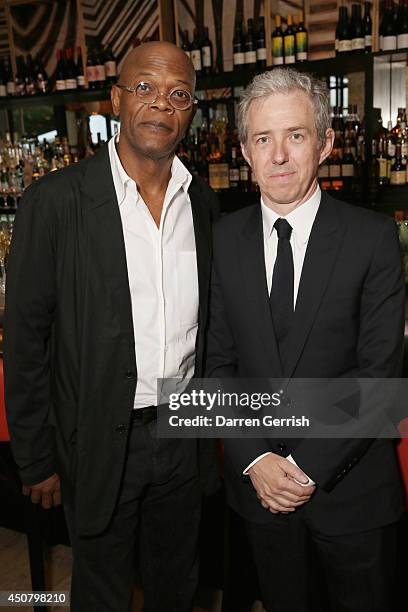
{"x":106,"y":236}
{"x":321,"y":253}
{"x":252,"y":259}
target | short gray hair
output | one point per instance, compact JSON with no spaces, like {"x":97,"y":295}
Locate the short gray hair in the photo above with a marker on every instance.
{"x":284,"y":80}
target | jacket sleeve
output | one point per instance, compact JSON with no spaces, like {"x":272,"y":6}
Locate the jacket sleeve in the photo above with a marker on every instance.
{"x":29,"y":314}
{"x":379,"y":353}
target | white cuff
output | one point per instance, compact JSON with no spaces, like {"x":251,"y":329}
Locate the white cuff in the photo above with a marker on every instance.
{"x":255,"y":461}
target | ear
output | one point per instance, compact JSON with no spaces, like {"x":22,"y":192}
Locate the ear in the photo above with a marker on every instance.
{"x":328,"y":145}
{"x":116,"y":95}
{"x":245,"y":154}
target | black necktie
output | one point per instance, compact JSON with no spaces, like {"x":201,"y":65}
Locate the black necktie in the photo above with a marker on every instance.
{"x":281,"y":296}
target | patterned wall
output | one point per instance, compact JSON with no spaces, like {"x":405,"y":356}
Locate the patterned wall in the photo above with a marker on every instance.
{"x":120,"y":23}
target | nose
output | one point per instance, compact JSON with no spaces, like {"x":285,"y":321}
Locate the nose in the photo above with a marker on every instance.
{"x":279,"y":153}
{"x":162,"y":103}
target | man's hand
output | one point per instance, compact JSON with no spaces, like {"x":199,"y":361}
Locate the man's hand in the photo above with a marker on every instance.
{"x":48,"y":492}
{"x":273,"y":479}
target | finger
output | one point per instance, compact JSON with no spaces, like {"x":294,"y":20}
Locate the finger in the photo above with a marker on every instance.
{"x":295,"y":472}
{"x":290,"y":497}
{"x":35,"y":496}
{"x":288,"y":485}
{"x":278,"y":508}
{"x":46,"y":500}
{"x":284,"y":503}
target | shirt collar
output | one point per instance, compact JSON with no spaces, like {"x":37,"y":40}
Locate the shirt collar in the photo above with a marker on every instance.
{"x":180,"y":176}
{"x":301,"y":219}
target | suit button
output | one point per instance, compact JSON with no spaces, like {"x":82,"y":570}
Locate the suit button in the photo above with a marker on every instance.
{"x":120,"y":428}
{"x":130,"y":374}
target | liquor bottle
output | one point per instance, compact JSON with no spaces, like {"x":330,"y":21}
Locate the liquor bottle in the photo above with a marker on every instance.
{"x":196,"y":54}
{"x":250,"y":47}
{"x":80,"y":77}
{"x":390,"y":143}
{"x":110,"y":66}
{"x":382,"y":163}
{"x":90,"y":71}
{"x":70,"y":70}
{"x":244,"y":174}
{"x":277,"y":42}
{"x":343,"y":34}
{"x":367,"y":28}
{"x":41,"y":77}
{"x":234,"y":170}
{"x":402,"y":31}
{"x":100,"y":74}
{"x":185,"y":43}
{"x":403,"y":138}
{"x":3,"y":80}
{"x":207,"y":53}
{"x":398,"y":170}
{"x":30,"y":77}
{"x":60,"y":73}
{"x":301,"y":40}
{"x":347,"y":165}
{"x":20,"y":76}
{"x":289,"y":42}
{"x":357,"y":30}
{"x":11,"y":86}
{"x":387,"y":29}
{"x":350,"y":131}
{"x":238,"y":46}
{"x":261,"y":44}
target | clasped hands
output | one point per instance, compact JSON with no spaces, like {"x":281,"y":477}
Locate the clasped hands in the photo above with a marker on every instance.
{"x":273,"y":478}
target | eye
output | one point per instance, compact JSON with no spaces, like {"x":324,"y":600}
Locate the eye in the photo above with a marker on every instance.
{"x":180,"y":94}
{"x":297,"y":137}
{"x":144,"y":88}
{"x":262,"y":140}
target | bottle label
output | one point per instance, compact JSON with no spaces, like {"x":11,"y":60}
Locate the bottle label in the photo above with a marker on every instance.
{"x":334,"y":170}
{"x":289,"y":46}
{"x":391,"y":149}
{"x":218,"y":176}
{"x":301,"y":42}
{"x":382,"y":167}
{"x":277,"y":49}
{"x":70,"y":83}
{"x":80,"y":80}
{"x":206,"y":55}
{"x":110,"y":68}
{"x":196,"y":59}
{"x":357,"y":43}
{"x":3,"y":91}
{"x":223,"y":173}
{"x":239,"y":59}
{"x":402,"y":41}
{"x":250,"y":57}
{"x":11,"y":88}
{"x":397,"y":177}
{"x":90,"y":74}
{"x":301,"y":57}
{"x":404,"y":149}
{"x":389,"y":43}
{"x":367,"y":40}
{"x":277,"y":61}
{"x":188,"y":54}
{"x":244,"y":174}
{"x":234,"y":175}
{"x":261,"y":54}
{"x":347,"y":170}
{"x":323,"y":171}
{"x":100,"y":74}
{"x":344,"y":46}
{"x":60,"y":85}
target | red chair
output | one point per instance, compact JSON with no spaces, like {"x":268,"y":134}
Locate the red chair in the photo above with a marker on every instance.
{"x":31,"y":512}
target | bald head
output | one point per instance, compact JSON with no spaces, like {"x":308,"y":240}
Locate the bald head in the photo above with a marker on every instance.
{"x":161,"y":54}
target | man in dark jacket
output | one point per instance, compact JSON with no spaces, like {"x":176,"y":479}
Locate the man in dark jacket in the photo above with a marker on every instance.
{"x":107,"y":292}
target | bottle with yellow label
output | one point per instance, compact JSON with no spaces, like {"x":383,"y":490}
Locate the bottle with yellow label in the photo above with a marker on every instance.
{"x":277,"y":42}
{"x":301,"y":40}
{"x":289,"y":42}
{"x":397,"y":168}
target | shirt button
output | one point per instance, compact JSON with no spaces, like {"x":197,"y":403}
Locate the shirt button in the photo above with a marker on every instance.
{"x":120,"y":428}
{"x":130,"y":374}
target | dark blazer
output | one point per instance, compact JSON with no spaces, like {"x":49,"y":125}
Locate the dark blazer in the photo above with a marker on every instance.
{"x":349,"y":322}
{"x":69,"y":348}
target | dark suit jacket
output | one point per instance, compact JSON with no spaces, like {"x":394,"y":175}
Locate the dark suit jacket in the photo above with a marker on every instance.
{"x":69,"y":350}
{"x":348,"y":322}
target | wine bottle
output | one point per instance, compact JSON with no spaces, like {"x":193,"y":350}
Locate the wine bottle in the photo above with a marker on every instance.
{"x":80,"y":77}
{"x":11,"y":86}
{"x":289,"y":42}
{"x":301,"y":40}
{"x":238,"y":46}
{"x":90,"y":70}
{"x":41,"y":77}
{"x":357,"y":31}
{"x":207,"y":53}
{"x":397,"y":168}
{"x":110,"y":66}
{"x":70,"y":70}
{"x":250,"y":47}
{"x":30,"y":77}
{"x":234,"y":170}
{"x":185,"y":43}
{"x":60,"y":73}
{"x":388,"y":28}
{"x":277,"y":42}
{"x":196,"y":54}
{"x":367,"y":27}
{"x":402,"y":32}
{"x":100,"y":73}
{"x":344,"y":34}
{"x":261,"y":44}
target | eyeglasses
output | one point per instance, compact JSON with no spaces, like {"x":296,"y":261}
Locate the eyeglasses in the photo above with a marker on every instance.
{"x":148,"y":93}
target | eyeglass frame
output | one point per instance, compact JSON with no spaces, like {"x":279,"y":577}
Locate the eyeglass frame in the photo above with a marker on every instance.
{"x":193,"y":99}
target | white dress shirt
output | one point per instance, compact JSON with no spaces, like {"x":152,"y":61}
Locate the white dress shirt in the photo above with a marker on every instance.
{"x":162,"y":272}
{"x":301,"y":220}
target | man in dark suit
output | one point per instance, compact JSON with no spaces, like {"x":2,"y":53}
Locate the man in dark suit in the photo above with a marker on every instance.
{"x":107,"y":289}
{"x":305,"y":286}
